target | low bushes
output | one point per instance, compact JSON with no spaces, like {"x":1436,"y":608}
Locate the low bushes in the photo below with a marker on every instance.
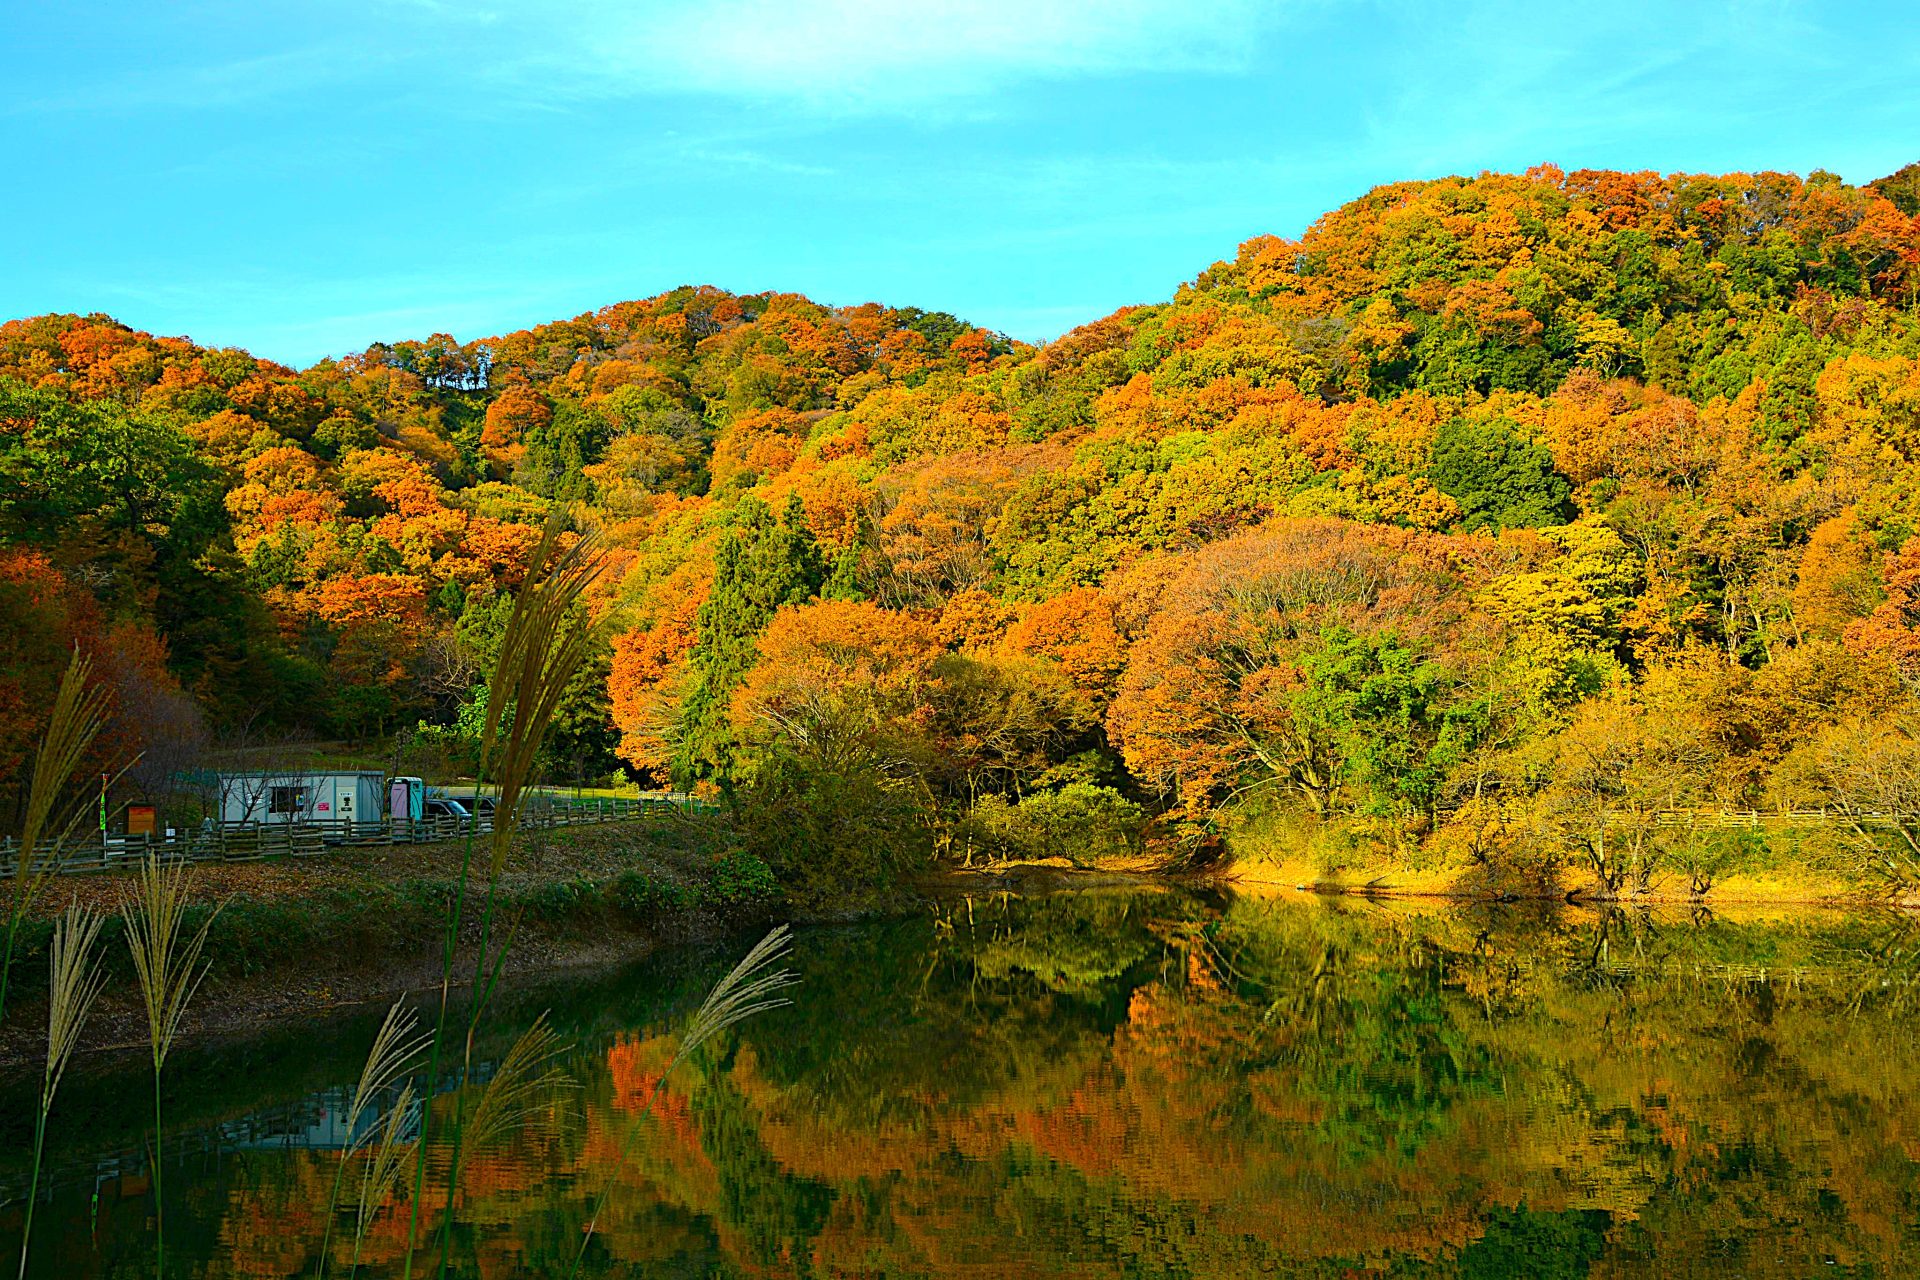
{"x":1080,"y":822}
{"x":828,"y":832}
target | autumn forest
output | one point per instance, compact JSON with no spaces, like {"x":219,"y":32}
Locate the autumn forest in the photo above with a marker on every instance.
{"x":1498,"y":529}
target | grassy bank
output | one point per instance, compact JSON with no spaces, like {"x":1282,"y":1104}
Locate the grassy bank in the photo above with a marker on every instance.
{"x":294,"y":936}
{"x":1775,"y":863}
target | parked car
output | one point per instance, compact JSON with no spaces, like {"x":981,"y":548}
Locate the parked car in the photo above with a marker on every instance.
{"x":445,"y":807}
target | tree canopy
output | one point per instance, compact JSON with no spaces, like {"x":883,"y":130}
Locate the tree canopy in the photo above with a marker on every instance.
{"x":1357,"y":521}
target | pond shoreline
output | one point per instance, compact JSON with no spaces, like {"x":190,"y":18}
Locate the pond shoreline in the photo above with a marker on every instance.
{"x":303,"y":940}
{"x":1746,"y":893}
{"x":1739,"y":891}
{"x":289,"y":994}
{"x":233,"y":1007}
{"x":285,"y":994}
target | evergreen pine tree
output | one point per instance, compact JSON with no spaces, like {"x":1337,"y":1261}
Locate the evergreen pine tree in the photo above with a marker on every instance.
{"x":848,"y":574}
{"x":761,"y":565}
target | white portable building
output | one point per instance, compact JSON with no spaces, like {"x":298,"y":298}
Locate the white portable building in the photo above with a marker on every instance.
{"x":291,"y":796}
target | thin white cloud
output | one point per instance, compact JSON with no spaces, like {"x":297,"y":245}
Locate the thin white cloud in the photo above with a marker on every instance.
{"x":867,"y":54}
{"x":858,"y":57}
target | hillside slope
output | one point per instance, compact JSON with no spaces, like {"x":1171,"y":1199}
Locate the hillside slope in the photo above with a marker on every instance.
{"x":1487,"y":506}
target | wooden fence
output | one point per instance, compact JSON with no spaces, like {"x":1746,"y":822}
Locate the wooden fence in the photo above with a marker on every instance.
{"x":1738,"y":819}
{"x":252,"y":841}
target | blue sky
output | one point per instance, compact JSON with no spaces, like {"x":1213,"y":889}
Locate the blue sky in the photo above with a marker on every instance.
{"x":304,"y":179}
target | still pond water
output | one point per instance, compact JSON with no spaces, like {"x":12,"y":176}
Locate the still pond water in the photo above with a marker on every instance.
{"x":1110,"y":1083}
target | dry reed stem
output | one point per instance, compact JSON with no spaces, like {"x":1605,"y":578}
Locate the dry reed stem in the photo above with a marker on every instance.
{"x":541,"y":650}
{"x":74,"y":983}
{"x":521,"y":1088}
{"x":78,"y":717}
{"x":750,"y":988}
{"x":381,"y":1172}
{"x":395,"y":1052}
{"x":746,"y":991}
{"x":169,"y":973}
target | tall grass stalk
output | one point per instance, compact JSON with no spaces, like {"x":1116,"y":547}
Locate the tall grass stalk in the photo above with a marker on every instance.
{"x":386,"y":1161}
{"x":396,"y":1052}
{"x":166,"y":961}
{"x":541,"y":650}
{"x":78,"y":717}
{"x":521,"y":1088}
{"x":752,"y":987}
{"x":73,"y":985}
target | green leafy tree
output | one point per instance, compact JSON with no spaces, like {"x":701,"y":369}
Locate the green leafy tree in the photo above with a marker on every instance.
{"x":560,"y":450}
{"x":580,"y":741}
{"x":91,"y":472}
{"x":1381,"y":706}
{"x":1902,"y":187}
{"x":1499,"y":478}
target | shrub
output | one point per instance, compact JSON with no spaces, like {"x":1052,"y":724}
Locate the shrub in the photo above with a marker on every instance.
{"x":559,"y":899}
{"x":641,"y":895}
{"x":1080,"y":822}
{"x":740,"y":876}
{"x":825,"y":831}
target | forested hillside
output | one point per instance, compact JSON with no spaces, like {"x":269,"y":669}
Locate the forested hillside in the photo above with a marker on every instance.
{"x":1484,"y":513}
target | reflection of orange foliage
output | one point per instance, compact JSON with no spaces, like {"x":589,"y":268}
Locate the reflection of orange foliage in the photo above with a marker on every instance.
{"x":813,"y":1145}
{"x":635,"y":1067}
{"x":271,"y":1230}
{"x":1199,"y":1116}
{"x":1200,"y":974}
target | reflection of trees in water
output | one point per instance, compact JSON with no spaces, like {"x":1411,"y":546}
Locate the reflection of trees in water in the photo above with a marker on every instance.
{"x":1160,"y":1084}
{"x":774,"y":1212}
{"x":1358,"y":1021}
{"x":1146,"y":1085}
